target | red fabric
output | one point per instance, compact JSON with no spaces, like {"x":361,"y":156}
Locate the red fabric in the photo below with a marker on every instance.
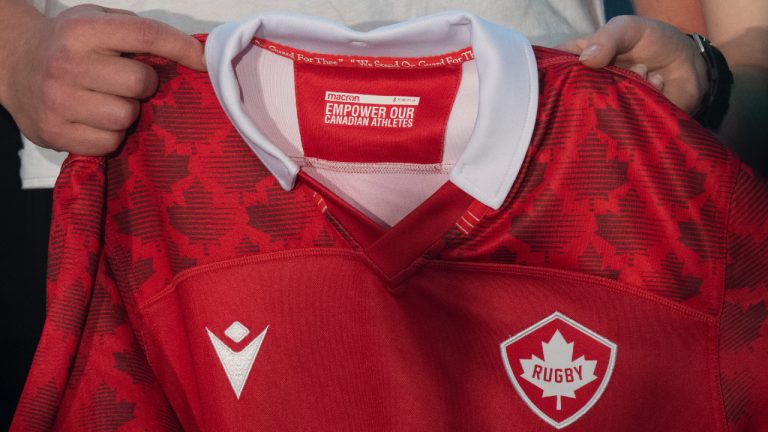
{"x":342,"y":353}
{"x":394,"y":251}
{"x":627,"y":218}
{"x":743,"y":330}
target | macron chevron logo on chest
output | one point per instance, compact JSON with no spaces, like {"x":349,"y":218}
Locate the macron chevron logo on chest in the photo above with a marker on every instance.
{"x":559,"y":368}
{"x":237,"y":364}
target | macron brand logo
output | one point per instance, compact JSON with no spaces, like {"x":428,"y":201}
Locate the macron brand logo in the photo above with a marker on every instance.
{"x":371,"y":99}
{"x":342,"y":97}
{"x":237,"y":364}
{"x":559,"y":368}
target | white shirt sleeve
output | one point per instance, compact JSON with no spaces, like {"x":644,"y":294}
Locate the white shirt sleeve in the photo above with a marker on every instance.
{"x":39,"y":166}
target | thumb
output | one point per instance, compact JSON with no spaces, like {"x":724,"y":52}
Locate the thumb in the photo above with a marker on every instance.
{"x":573,"y":46}
{"x":594,"y":51}
{"x":618,"y":36}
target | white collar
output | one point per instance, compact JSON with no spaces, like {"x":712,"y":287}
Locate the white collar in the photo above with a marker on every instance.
{"x":506,"y":65}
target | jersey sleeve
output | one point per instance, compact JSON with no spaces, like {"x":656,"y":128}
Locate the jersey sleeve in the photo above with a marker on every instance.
{"x":89,"y":371}
{"x":743,"y":339}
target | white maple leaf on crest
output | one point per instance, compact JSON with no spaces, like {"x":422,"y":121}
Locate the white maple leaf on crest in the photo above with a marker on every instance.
{"x":558,"y":374}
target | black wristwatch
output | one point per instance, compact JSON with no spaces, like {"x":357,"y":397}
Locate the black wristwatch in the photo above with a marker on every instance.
{"x":716,"y":100}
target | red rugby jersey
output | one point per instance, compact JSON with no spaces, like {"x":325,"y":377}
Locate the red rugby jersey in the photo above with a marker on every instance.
{"x":620,"y":285}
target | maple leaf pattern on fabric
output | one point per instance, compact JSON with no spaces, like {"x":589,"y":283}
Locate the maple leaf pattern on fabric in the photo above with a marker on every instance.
{"x":281,"y":216}
{"x":133,"y":362}
{"x":200,"y":218}
{"x":106,"y":412}
{"x":558,"y":374}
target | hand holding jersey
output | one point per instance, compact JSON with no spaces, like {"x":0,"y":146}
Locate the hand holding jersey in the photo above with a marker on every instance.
{"x":67,"y":85}
{"x":656,"y":50}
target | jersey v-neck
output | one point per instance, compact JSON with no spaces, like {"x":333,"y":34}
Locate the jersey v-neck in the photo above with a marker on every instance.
{"x":393,"y":251}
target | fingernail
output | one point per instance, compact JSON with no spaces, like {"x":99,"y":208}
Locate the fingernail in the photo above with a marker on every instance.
{"x":639,"y":69}
{"x":657,"y":81}
{"x":589,"y":52}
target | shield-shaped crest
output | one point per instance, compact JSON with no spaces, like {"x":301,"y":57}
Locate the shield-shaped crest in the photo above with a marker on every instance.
{"x":559,"y":368}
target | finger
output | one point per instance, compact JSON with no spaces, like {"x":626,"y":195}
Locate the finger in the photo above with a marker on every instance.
{"x":657,"y":81}
{"x":103,"y":111}
{"x":88,"y":141}
{"x":82,"y":139}
{"x":617,"y":36}
{"x":640,"y":69}
{"x":119,"y":76}
{"x":575,"y":46}
{"x":119,"y":33}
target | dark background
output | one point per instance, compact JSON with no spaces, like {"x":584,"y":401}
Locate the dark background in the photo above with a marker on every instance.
{"x":24,"y":223}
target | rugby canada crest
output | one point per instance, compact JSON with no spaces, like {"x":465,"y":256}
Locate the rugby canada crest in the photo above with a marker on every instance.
{"x":559,"y":368}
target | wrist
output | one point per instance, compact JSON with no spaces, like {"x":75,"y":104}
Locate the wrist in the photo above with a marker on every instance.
{"x":701,"y":70}
{"x":715,"y":102}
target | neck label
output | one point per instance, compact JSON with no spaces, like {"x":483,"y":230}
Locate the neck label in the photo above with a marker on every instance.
{"x":372,"y":114}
